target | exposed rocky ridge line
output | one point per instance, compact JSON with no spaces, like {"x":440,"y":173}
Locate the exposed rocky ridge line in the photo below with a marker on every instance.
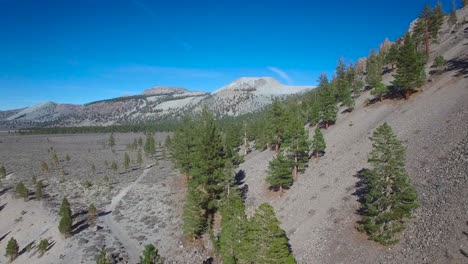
{"x":244,"y":95}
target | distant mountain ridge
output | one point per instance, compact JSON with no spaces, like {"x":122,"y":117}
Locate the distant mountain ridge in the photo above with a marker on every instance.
{"x":244,"y":95}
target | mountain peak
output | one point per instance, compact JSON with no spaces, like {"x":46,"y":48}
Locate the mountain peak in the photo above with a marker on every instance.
{"x":159,"y":90}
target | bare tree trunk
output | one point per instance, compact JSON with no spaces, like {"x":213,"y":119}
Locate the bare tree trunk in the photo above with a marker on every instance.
{"x":407,"y":94}
{"x":281,"y":190}
{"x":295,"y":168}
{"x":317,"y":154}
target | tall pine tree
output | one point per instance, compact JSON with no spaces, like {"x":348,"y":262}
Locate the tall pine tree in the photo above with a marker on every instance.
{"x":279,"y":173}
{"x":390,"y":198}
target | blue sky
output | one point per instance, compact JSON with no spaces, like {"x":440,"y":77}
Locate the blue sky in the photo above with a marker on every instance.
{"x":77,"y":51}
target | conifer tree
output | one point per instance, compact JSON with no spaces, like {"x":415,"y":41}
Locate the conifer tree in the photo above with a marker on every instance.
{"x":318,"y":142}
{"x":126,"y":161}
{"x":22,"y":191}
{"x":297,"y":144}
{"x":149,"y":147}
{"x":266,"y":238}
{"x":2,"y":172}
{"x":379,"y":91}
{"x":111,"y":141}
{"x":65,"y":224}
{"x":194,"y":216}
{"x":44,"y":167}
{"x":277,"y":121}
{"x":114,"y":166}
{"x":150,"y":255}
{"x":436,"y":20}
{"x":329,"y":108}
{"x":12,"y":249}
{"x":410,"y":73}
{"x":233,"y":228}
{"x":43,"y":246}
{"x":452,"y":20}
{"x":392,"y":56}
{"x":390,"y":197}
{"x":374,"y":69}
{"x":139,"y":158}
{"x":92,"y":214}
{"x":67,"y":157}
{"x":140,"y":142}
{"x":348,"y":100}
{"x":279,"y":173}
{"x":38,"y":193}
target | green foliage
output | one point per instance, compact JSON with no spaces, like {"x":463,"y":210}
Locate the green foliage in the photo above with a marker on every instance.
{"x":114,"y":166}
{"x":328,"y":106}
{"x":430,"y":20}
{"x":452,"y":20}
{"x":266,"y":242}
{"x":297,"y":143}
{"x":374,"y":69}
{"x":380,"y":90}
{"x":55,"y":158}
{"x":233,"y":228}
{"x":277,"y":121}
{"x":39,"y":187}
{"x":126,"y":161}
{"x":149,"y":147}
{"x":43,"y":246}
{"x":150,"y":255}
{"x":67,"y":157}
{"x":318,"y":142}
{"x":390,"y":198}
{"x":66,"y":222}
{"x":92,"y":213}
{"x":139,"y":158}
{"x":279,"y":172}
{"x":12,"y":249}
{"x":410,"y":73}
{"x":440,"y":63}
{"x":194,"y":216}
{"x":391,"y":57}
{"x":111,"y":141}
{"x":2,"y":172}
{"x":103,"y":258}
{"x":22,"y":191}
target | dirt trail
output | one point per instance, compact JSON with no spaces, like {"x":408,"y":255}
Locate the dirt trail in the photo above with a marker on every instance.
{"x":131,"y":246}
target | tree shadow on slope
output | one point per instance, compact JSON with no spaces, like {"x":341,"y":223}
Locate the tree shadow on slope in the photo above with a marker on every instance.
{"x":460,"y":66}
{"x":243,"y":187}
{"x":361,"y":190}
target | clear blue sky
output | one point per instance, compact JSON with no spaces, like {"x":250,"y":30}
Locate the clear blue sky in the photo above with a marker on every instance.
{"x":77,"y":51}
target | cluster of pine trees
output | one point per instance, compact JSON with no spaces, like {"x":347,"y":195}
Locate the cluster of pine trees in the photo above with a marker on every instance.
{"x":206,"y":154}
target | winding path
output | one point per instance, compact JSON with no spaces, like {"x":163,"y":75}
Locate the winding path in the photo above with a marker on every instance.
{"x":131,"y":246}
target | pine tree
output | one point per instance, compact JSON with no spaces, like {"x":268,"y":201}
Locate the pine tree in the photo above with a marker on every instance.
{"x":374,"y":69}
{"x":39,"y":187}
{"x":194,"y":216}
{"x":44,"y":167}
{"x":436,"y":20}
{"x":328,"y":107}
{"x":348,"y":100}
{"x":452,"y":20}
{"x":111,"y":141}
{"x":392,"y":56}
{"x":410,"y":73}
{"x":139,"y":158}
{"x":12,"y":249}
{"x":126,"y":161}
{"x":233,"y":228}
{"x":103,"y":258}
{"x":2,"y":172}
{"x":150,"y":255}
{"x":279,"y":173}
{"x":149,"y":147}
{"x":140,"y":142}
{"x":22,"y":191}
{"x":341,"y":81}
{"x":297,"y":144}
{"x":114,"y":166}
{"x":390,"y":197}
{"x":440,"y":63}
{"x":92,"y":214}
{"x":277,"y":120}
{"x":43,"y":246}
{"x":65,"y":224}
{"x":67,"y":157}
{"x":318,"y":142}
{"x":266,"y":239}
{"x":379,"y":91}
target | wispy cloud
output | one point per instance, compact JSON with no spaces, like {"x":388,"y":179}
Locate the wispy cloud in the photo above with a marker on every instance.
{"x":281,"y":74}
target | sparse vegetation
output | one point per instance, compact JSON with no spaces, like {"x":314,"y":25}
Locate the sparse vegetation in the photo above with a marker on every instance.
{"x":22,"y":191}
{"x":92,"y":214}
{"x":39,"y":187}
{"x":150,"y":255}
{"x":103,"y":258}
{"x":318,"y":142}
{"x":126,"y":161}
{"x":440,"y":63}
{"x":12,"y":249}
{"x":44,"y":167}
{"x":66,"y":222}
{"x":111,"y":141}
{"x":43,"y":246}
{"x":2,"y":172}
